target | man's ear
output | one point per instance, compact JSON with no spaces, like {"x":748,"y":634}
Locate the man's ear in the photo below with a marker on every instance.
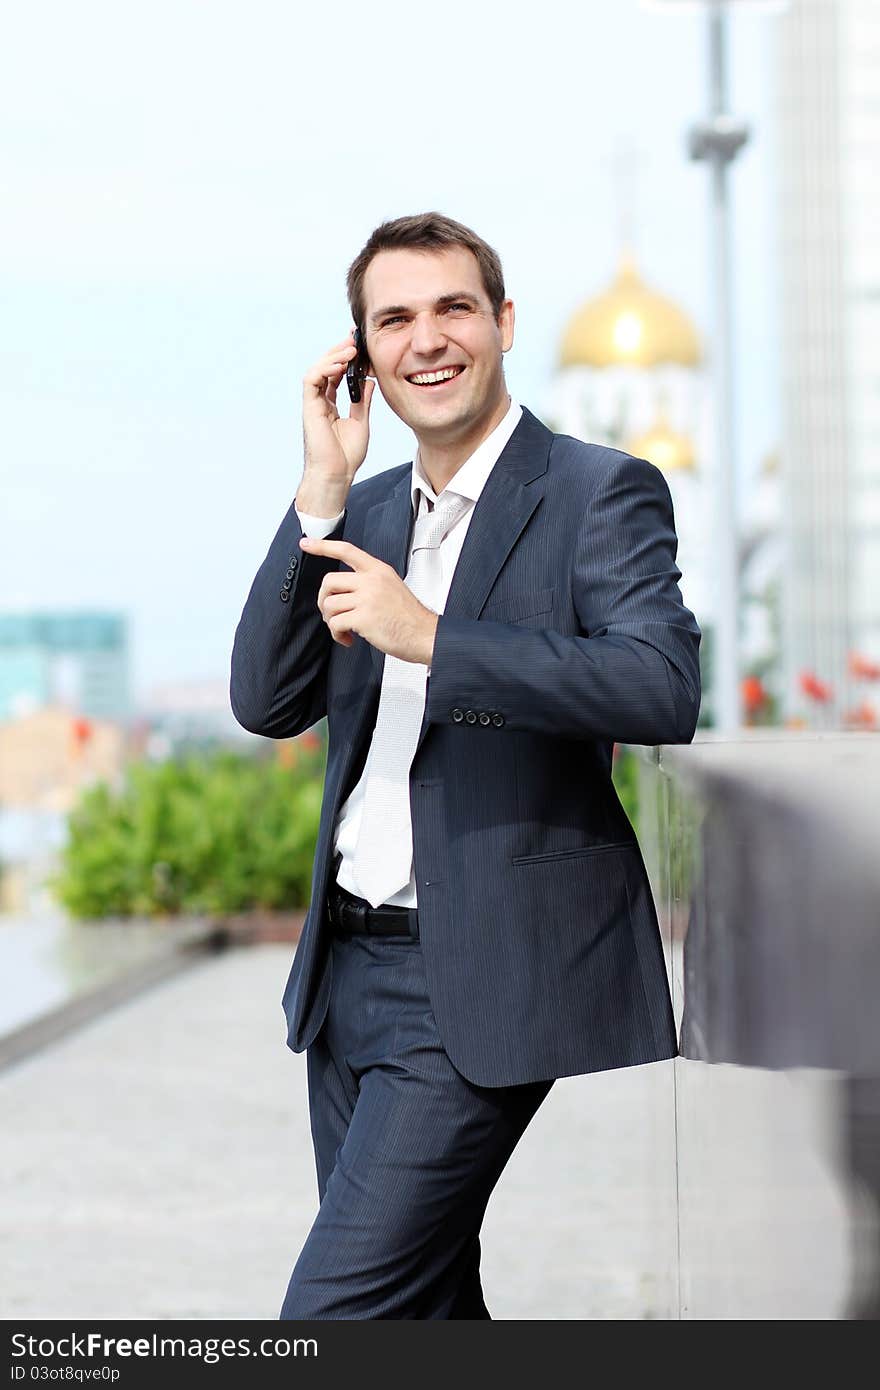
{"x":506,"y":318}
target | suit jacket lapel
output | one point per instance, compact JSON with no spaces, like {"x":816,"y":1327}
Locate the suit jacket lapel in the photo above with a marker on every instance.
{"x":387,"y":534}
{"x":500,"y":515}
{"x":511,"y":494}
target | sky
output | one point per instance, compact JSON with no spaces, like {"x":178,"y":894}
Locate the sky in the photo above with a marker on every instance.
{"x":185,"y":186}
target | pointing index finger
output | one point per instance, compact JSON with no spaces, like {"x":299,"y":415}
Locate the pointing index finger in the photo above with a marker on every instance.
{"x":337,"y":550}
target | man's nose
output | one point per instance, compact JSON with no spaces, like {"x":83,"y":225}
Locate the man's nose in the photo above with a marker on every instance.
{"x":427,"y":336}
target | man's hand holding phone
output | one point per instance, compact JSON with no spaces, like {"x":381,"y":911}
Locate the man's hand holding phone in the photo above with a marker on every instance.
{"x":334,"y":447}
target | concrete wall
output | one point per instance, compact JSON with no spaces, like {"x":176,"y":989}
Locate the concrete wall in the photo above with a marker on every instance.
{"x":764,"y":855}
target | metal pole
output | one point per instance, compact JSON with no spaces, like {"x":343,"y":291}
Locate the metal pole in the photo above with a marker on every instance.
{"x":718,"y":140}
{"x":726,"y":695}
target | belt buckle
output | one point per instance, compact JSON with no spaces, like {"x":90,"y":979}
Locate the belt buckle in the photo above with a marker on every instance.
{"x":337,"y":908}
{"x":345,"y":915}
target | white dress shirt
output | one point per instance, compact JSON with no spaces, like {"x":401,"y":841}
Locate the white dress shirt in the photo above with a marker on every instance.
{"x":468,"y":482}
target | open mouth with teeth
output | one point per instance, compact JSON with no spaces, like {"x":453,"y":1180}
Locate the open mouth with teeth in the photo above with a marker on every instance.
{"x":433,"y":381}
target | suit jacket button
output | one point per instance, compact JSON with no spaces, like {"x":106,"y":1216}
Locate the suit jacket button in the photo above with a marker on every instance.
{"x":470,"y":717}
{"x":289,"y":574}
{"x":497,"y":720}
{"x":457,"y":716}
{"x":284,"y":596}
{"x":292,"y":562}
{"x":484,"y":718}
{"x":286,"y":584}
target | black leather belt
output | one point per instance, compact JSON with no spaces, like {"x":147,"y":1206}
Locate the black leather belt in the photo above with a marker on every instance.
{"x":352,"y":916}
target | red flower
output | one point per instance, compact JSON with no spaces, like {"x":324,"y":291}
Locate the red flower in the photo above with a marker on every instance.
{"x":864,"y":669}
{"x":818,"y":690}
{"x":863,"y":716}
{"x":753,"y":693}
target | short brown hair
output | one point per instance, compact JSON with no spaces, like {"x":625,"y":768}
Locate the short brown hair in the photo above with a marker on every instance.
{"x":427,"y":231}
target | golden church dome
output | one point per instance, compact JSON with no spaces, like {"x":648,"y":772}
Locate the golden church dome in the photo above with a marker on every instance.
{"x":629,"y":325}
{"x":662,"y":446}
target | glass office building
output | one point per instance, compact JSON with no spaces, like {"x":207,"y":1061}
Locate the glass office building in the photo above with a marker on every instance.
{"x":77,"y":660}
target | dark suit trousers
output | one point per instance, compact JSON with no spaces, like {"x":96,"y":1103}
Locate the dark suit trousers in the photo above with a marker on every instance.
{"x":407,"y":1150}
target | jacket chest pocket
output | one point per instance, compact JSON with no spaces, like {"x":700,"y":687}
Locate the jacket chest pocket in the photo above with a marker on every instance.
{"x":530,"y":608}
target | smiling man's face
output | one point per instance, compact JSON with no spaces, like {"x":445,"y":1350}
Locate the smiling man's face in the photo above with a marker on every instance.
{"x":434,"y":344}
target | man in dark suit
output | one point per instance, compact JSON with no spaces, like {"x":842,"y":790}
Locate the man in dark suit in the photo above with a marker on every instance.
{"x":478,"y":627}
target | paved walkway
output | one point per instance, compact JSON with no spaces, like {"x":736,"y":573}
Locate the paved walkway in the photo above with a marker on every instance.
{"x":157,"y":1164}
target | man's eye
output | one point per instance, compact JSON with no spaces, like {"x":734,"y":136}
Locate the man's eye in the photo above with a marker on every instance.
{"x":459,"y":306}
{"x":397,"y":318}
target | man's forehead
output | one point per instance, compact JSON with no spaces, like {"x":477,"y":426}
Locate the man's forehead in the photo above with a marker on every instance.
{"x":405,"y":276}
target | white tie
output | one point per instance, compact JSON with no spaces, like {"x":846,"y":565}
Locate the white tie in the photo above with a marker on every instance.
{"x":383,"y":856}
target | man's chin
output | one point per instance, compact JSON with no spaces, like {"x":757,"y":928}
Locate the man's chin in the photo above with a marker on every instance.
{"x":436,"y":421}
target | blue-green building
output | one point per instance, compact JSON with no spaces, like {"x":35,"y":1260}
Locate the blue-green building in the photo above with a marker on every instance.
{"x":76,"y":659}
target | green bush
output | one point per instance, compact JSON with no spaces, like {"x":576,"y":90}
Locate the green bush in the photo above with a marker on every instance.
{"x":625,"y":776}
{"x":198,"y":835}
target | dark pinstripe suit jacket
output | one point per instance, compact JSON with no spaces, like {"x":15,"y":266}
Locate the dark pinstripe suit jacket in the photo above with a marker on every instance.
{"x":564,"y":630}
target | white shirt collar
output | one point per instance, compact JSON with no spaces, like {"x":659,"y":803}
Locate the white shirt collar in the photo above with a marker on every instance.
{"x":470,"y":479}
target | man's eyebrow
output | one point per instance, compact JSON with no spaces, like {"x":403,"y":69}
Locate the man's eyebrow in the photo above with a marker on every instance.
{"x":439,"y":303}
{"x":459,"y":294}
{"x":389,"y":309}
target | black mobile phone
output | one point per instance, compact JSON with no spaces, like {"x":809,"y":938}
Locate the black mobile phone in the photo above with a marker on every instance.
{"x":357,"y":369}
